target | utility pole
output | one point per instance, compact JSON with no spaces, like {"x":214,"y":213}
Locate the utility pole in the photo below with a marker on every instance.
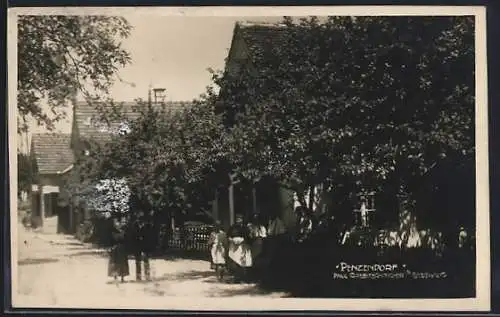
{"x":150,"y":90}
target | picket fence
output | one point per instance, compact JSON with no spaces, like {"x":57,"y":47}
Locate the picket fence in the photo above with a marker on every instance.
{"x":193,"y":238}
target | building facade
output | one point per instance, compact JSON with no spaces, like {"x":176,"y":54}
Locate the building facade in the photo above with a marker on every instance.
{"x":53,"y":159}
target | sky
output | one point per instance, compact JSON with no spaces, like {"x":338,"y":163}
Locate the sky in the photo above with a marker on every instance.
{"x":171,"y":52}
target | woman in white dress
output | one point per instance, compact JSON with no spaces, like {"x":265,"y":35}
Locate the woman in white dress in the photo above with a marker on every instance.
{"x":218,"y":243}
{"x":239,"y":251}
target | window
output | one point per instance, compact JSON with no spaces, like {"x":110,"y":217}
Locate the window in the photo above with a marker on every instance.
{"x":365,"y":210}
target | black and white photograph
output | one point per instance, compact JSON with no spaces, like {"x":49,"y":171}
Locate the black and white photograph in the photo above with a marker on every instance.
{"x":269,"y":158}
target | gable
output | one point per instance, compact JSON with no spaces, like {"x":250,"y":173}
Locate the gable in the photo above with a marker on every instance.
{"x":249,"y":40}
{"x":52,"y":152}
{"x":238,"y":54}
{"x":256,"y":38}
{"x":262,"y":36}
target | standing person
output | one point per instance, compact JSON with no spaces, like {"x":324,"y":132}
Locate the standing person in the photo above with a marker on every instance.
{"x":273,"y":254}
{"x":239,"y":251}
{"x":275,"y":226}
{"x":258,"y":233}
{"x":304,"y":248}
{"x":146,"y":243}
{"x":211,"y":241}
{"x":142,"y":242}
{"x":118,"y":259}
{"x":218,"y":246}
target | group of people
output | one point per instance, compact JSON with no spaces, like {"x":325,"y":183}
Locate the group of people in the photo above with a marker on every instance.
{"x":130,"y":238}
{"x":242,"y":250}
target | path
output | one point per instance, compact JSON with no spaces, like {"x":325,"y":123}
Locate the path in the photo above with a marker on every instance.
{"x":59,"y":271}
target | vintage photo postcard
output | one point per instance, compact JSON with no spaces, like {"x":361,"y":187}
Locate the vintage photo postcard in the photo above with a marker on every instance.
{"x":249,"y":158}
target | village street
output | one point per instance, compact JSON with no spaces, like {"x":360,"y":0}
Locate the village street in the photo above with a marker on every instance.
{"x":59,"y":271}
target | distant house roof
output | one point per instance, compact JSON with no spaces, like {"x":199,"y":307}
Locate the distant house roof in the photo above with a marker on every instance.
{"x":87,"y":117}
{"x":52,"y":152}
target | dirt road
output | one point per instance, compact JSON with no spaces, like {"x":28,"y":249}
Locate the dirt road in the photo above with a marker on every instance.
{"x":59,"y":271}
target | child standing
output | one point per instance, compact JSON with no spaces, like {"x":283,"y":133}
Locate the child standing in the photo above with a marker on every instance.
{"x":218,"y":243}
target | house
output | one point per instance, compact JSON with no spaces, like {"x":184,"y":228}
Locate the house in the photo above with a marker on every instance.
{"x":88,"y":126}
{"x":54,"y":156}
{"x":248,"y":41}
{"x":266,"y":196}
{"x":439,"y":204}
{"x":53,"y":159}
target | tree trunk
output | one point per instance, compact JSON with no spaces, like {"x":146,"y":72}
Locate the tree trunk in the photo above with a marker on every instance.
{"x":216,"y":204}
{"x":254,"y":200}
{"x":231,"y":203}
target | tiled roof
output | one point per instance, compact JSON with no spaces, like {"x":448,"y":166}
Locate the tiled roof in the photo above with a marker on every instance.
{"x":86,"y":115}
{"x":52,"y":152}
{"x":257,"y":35}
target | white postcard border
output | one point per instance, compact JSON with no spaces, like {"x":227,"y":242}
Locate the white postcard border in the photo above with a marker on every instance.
{"x":482,"y":300}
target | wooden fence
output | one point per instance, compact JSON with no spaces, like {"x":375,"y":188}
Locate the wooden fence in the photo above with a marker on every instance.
{"x":193,"y":238}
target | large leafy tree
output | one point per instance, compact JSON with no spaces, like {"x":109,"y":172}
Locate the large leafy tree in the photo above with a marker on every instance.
{"x":172,"y":160}
{"x":365,"y":102}
{"x":349,"y":103}
{"x":58,"y":55}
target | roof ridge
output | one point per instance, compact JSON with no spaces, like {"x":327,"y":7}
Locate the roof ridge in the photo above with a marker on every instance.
{"x":51,"y":134}
{"x":134,"y":102}
{"x":261,"y":24}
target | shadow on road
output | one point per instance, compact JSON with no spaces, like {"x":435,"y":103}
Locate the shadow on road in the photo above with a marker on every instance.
{"x":248,"y":290}
{"x":102,"y":253}
{"x":36,"y":261}
{"x":66,"y":243}
{"x":174,"y":255}
{"x":185,"y":276}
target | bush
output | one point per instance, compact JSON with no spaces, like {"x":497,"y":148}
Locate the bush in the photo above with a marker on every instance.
{"x":85,"y":231}
{"x":36,"y":222}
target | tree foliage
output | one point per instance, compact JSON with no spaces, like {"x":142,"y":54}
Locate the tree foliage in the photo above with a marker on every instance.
{"x":348,"y":103}
{"x":59,"y":54}
{"x":25,"y":172}
{"x":170,"y":162}
{"x":362,"y":101}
